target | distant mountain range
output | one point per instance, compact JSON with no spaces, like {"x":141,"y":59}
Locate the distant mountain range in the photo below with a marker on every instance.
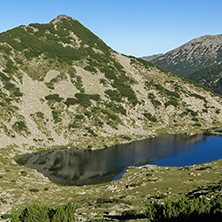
{"x":196,"y":54}
{"x":149,"y":58}
{"x":60,"y":85}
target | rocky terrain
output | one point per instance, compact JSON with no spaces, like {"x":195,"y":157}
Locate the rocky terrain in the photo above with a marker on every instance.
{"x":63,"y":86}
{"x":194,"y":55}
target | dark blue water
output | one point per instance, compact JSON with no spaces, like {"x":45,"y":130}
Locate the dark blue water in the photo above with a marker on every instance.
{"x":81,"y":167}
{"x":206,"y":150}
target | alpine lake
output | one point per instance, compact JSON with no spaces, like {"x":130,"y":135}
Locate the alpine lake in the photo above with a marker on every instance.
{"x":84,"y":167}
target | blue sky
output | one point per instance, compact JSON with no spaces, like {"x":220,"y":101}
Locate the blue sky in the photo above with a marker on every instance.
{"x":131,"y":27}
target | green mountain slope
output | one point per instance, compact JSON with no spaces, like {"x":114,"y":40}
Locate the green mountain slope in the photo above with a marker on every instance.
{"x":63,"y":86}
{"x":197,"y":54}
{"x":210,"y":77}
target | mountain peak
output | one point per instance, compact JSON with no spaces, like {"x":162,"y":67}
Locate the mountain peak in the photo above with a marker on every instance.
{"x":61,"y":18}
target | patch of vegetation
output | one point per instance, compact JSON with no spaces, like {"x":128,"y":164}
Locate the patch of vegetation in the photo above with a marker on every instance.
{"x":120,"y":82}
{"x":199,"y":209}
{"x":38,"y":213}
{"x":112,"y":124}
{"x":153,"y":100}
{"x":79,"y":117}
{"x":40,"y":115}
{"x":72,"y":72}
{"x":71,"y":101}
{"x":195,"y":119}
{"x":34,"y":190}
{"x":114,"y":95}
{"x":209,"y":77}
{"x":73,"y":125}
{"x":10,"y":67}
{"x":204,"y":168}
{"x":116,"y":108}
{"x":103,"y":81}
{"x":90,"y":69}
{"x":3,"y":201}
{"x":98,"y":122}
{"x":84,"y":99}
{"x":197,"y":124}
{"x":20,"y":127}
{"x":91,"y":131}
{"x":103,"y":200}
{"x":14,"y":91}
{"x":6,"y":216}
{"x":126,"y":137}
{"x":125,"y":90}
{"x":198,"y":96}
{"x":129,"y":214}
{"x":87,"y":113}
{"x":24,"y":173}
{"x":185,"y":113}
{"x":53,"y":98}
{"x":150,"y":117}
{"x":56,"y":116}
{"x":166,"y":92}
{"x":110,"y":115}
{"x":78,"y":84}
{"x":193,"y":113}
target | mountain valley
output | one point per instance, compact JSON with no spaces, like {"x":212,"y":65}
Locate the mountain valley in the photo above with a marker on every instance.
{"x":62,"y":87}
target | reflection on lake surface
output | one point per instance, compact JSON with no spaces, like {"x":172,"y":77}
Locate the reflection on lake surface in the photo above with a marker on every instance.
{"x":81,"y":167}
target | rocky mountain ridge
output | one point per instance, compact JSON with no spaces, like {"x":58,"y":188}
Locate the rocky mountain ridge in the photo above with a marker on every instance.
{"x":194,"y":55}
{"x":62,"y":86}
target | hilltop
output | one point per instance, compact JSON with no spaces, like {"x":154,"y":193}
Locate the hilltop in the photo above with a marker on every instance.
{"x":194,"y":55}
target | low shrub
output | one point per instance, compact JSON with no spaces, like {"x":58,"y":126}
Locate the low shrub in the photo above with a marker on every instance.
{"x":33,"y":190}
{"x":128,"y":214}
{"x":24,"y":173}
{"x":36,"y":213}
{"x":150,"y":117}
{"x":6,"y":216}
{"x":91,"y":131}
{"x":54,"y":98}
{"x":200,"y":209}
{"x":193,"y":113}
{"x":71,"y":101}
